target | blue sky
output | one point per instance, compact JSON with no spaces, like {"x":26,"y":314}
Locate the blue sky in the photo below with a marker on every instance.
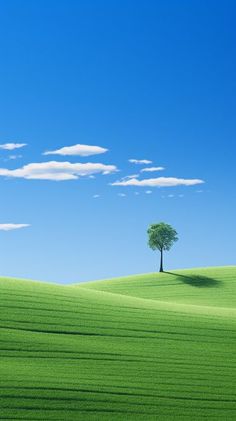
{"x":151,"y":80}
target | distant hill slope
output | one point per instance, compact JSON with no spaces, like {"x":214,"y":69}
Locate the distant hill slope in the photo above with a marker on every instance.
{"x":146,"y":347}
{"x":208,"y":286}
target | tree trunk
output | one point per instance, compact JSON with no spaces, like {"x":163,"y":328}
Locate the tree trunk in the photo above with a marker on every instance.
{"x":161,"y":266}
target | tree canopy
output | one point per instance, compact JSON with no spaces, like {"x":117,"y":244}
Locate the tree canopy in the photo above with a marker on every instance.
{"x":161,"y":237}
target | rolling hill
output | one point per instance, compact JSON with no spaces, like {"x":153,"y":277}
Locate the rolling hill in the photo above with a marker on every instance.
{"x":147,"y":347}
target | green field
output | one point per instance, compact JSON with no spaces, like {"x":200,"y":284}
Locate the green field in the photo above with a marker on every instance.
{"x":147,"y":347}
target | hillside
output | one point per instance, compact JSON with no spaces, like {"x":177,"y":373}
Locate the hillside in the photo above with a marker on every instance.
{"x":145,"y":347}
{"x":208,"y":286}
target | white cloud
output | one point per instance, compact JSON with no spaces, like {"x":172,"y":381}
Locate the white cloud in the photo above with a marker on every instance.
{"x":81,"y":150}
{"x":96,"y":196}
{"x":11,"y":227}
{"x":12,"y":146}
{"x":140,"y":161}
{"x":152,"y":169}
{"x":57,"y":171}
{"x":128,"y":177}
{"x":171,"y":195}
{"x":122,"y":194}
{"x":148,"y":191}
{"x":12,"y":157}
{"x":158,"y":182}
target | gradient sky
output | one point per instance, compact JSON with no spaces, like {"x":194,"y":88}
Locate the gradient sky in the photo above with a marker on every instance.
{"x":151,"y":80}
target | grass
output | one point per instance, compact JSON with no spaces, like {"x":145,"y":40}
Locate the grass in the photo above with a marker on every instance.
{"x":146,"y":347}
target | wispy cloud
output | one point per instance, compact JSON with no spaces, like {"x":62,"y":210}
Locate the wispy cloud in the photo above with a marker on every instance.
{"x":140,"y":161}
{"x":80,"y":150}
{"x":128,"y":177}
{"x":13,"y":157}
{"x":12,"y":146}
{"x":148,"y":191}
{"x":122,"y":194}
{"x":96,"y":196}
{"x":57,"y":171}
{"x":159,"y":182}
{"x":152,"y":169}
{"x":11,"y":227}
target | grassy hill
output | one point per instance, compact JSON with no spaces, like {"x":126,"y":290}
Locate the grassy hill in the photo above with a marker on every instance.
{"x":145,"y":347}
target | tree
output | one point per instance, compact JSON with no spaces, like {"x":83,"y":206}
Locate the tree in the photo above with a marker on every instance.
{"x":161,"y":237}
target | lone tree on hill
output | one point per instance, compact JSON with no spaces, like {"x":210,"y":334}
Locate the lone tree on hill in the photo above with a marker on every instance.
{"x":161,"y":237}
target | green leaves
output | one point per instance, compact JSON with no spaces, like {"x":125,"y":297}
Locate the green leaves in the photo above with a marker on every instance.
{"x":161,"y":236}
